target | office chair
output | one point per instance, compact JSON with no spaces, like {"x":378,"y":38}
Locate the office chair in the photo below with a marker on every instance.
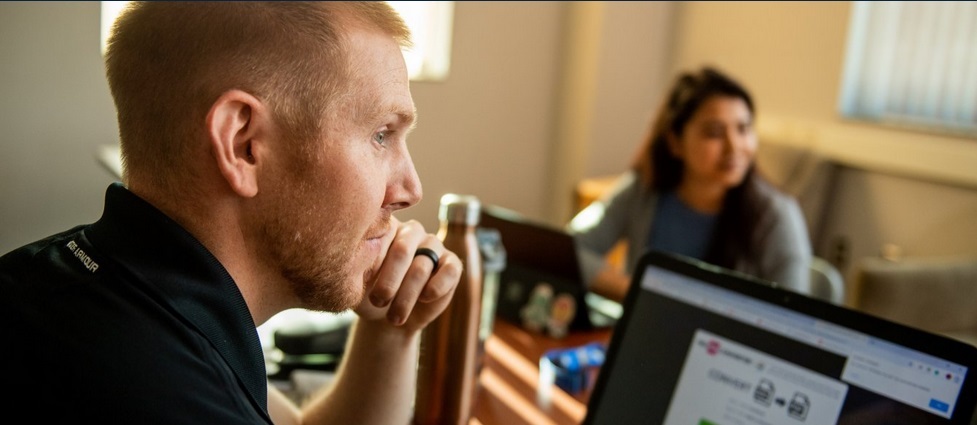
{"x":826,"y":281}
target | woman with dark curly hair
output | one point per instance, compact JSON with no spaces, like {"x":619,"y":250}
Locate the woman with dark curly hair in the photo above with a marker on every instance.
{"x":693,"y":189}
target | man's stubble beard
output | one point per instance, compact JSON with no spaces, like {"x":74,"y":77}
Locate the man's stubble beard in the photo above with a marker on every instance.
{"x":313,"y":248}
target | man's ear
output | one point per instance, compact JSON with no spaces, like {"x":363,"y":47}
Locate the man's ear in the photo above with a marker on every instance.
{"x":237,"y":124}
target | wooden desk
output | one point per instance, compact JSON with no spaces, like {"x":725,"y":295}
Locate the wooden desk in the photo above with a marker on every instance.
{"x":510,"y":392}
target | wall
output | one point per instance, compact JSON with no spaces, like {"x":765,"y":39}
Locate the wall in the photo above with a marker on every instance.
{"x":626,"y":75}
{"x":541,"y":95}
{"x":913,"y":189}
{"x":55,"y":110}
{"x":923,"y":218}
{"x":485,"y":129}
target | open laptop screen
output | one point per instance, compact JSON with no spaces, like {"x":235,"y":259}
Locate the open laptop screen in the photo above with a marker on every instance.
{"x":702,"y":345}
{"x":537,"y":256}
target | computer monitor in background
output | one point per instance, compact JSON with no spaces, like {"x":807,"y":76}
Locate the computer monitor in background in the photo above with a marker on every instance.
{"x":541,"y":262}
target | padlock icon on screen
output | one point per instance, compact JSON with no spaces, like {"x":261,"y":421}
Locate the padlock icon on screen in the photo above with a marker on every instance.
{"x":764,"y":392}
{"x":798,"y":406}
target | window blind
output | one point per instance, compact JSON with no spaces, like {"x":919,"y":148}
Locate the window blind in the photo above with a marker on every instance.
{"x":913,"y":64}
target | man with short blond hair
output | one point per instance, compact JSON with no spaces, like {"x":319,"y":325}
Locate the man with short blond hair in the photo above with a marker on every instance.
{"x":264,"y":151}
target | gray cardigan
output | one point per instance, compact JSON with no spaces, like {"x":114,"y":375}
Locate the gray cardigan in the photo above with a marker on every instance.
{"x":627,"y":211}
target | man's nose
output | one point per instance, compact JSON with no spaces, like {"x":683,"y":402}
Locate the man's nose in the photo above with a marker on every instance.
{"x":405,"y":188}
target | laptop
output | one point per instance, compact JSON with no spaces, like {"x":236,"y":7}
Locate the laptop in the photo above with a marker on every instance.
{"x":706,"y":346}
{"x":541,"y":281}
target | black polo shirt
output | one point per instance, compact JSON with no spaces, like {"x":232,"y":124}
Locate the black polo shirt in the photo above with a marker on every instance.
{"x":127,"y":320}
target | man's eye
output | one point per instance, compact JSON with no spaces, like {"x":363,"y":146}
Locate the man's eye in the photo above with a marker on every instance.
{"x":380,"y":137}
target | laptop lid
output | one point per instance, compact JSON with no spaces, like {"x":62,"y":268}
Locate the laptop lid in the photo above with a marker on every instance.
{"x":542,"y":273}
{"x":702,"y":345}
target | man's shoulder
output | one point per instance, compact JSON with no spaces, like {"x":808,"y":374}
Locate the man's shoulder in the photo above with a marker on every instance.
{"x":103,"y":327}
{"x":37,"y":245}
{"x":30,"y":256}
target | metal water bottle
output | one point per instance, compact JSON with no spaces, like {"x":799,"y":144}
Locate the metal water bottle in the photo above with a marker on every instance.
{"x":447,"y":372}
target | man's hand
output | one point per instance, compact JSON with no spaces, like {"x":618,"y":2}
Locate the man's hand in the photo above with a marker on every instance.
{"x":405,"y":289}
{"x":404,"y":293}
